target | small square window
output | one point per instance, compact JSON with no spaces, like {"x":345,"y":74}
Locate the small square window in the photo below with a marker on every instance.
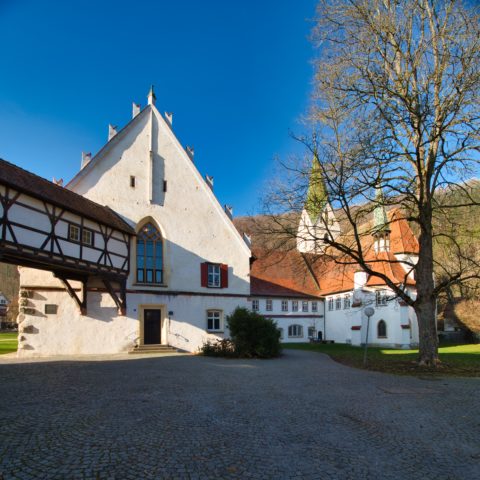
{"x":255,"y":305}
{"x":74,"y":233}
{"x":304,"y":306}
{"x":213,"y":275}
{"x":87,"y":237}
{"x":268,"y":305}
{"x":294,"y":305}
{"x":51,"y":309}
{"x":214,"y":320}
{"x":284,"y":305}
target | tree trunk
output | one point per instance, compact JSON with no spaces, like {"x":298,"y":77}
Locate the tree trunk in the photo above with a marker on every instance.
{"x":427,"y":328}
{"x":425,"y":304}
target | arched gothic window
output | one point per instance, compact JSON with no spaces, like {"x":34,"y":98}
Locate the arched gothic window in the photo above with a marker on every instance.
{"x":149,"y":255}
{"x":382,"y":329}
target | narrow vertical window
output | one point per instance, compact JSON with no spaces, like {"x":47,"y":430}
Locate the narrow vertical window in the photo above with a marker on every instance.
{"x":255,"y":305}
{"x":304,"y":306}
{"x":294,"y":305}
{"x":338,"y":303}
{"x":382,"y":329}
{"x":284,"y":305}
{"x":268,"y":305}
{"x":314,"y":307}
{"x":330,"y":303}
{"x":149,"y":255}
{"x":132,"y":181}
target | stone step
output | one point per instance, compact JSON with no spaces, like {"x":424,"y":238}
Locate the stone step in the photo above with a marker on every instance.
{"x":153,"y":349}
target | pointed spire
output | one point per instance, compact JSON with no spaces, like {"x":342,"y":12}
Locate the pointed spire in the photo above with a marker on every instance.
{"x":317,"y":197}
{"x":380,"y":219}
{"x":151,"y":96}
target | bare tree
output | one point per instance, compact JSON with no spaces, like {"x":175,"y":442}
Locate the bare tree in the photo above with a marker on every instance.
{"x":396,"y":122}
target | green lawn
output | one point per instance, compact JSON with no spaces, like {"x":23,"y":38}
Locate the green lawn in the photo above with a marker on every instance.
{"x":8,"y":342}
{"x":460,"y":360}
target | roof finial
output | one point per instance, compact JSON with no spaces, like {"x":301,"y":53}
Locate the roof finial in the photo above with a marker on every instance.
{"x":151,"y":96}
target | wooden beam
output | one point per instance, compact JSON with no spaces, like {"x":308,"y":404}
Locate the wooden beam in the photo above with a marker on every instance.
{"x":120,"y":301}
{"x":82,"y":304}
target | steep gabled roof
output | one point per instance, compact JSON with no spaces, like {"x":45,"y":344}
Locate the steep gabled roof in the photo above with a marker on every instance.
{"x":31,"y":184}
{"x":281,"y":274}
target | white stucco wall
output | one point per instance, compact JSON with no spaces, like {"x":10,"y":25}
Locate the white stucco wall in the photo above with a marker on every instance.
{"x":102,"y":330}
{"x":285,"y":319}
{"x":193,"y":224}
{"x":339,"y":323}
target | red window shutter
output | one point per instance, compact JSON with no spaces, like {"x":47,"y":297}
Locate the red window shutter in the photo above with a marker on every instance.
{"x":224,"y":276}
{"x":204,"y":274}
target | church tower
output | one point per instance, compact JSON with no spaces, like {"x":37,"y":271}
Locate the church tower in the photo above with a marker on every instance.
{"x":317,"y":220}
{"x":381,"y":228}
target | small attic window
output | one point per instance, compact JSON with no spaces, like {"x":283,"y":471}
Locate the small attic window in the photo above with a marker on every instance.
{"x":132,"y":181}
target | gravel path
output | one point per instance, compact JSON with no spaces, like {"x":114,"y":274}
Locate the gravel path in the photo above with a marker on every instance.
{"x":302,"y":416}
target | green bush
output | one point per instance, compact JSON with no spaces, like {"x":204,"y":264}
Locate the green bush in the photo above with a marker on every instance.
{"x":251,"y":336}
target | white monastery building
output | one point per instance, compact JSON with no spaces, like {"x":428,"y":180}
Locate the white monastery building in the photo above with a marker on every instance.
{"x":135,"y":252}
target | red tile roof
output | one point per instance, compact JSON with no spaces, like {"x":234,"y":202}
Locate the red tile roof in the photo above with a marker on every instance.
{"x":31,"y":184}
{"x":283,"y":274}
{"x":289,"y":273}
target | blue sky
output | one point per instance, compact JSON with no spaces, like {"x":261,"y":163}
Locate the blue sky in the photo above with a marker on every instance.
{"x":236,"y":74}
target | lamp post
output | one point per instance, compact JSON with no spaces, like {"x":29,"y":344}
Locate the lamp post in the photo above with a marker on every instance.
{"x":369,"y":311}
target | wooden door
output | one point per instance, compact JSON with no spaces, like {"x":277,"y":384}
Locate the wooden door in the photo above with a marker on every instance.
{"x":152,"y":326}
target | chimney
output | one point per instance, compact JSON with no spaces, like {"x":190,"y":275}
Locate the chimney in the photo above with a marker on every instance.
{"x":209,"y":181}
{"x":229,"y":211}
{"x":169,"y":118}
{"x":191,"y":152}
{"x":151,"y":96}
{"x":135,"y":109}
{"x":112,"y":131}
{"x":58,"y":182}
{"x":86,"y":158}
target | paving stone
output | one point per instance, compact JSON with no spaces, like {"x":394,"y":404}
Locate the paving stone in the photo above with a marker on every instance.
{"x":302,"y":416}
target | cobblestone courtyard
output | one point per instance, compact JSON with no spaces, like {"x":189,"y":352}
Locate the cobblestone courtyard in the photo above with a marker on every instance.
{"x":301,"y":416}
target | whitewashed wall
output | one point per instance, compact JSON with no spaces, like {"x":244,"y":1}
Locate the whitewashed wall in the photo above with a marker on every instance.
{"x":193,"y":224}
{"x":339,"y":323}
{"x":286,"y":319}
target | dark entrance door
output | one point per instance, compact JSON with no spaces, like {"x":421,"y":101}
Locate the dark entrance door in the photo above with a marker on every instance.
{"x":151,"y":327}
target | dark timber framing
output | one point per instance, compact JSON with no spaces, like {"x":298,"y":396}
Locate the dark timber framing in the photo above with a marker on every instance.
{"x":34,"y":232}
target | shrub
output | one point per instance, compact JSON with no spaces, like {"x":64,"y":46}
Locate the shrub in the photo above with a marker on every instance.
{"x":218,"y":348}
{"x":253,"y":335}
